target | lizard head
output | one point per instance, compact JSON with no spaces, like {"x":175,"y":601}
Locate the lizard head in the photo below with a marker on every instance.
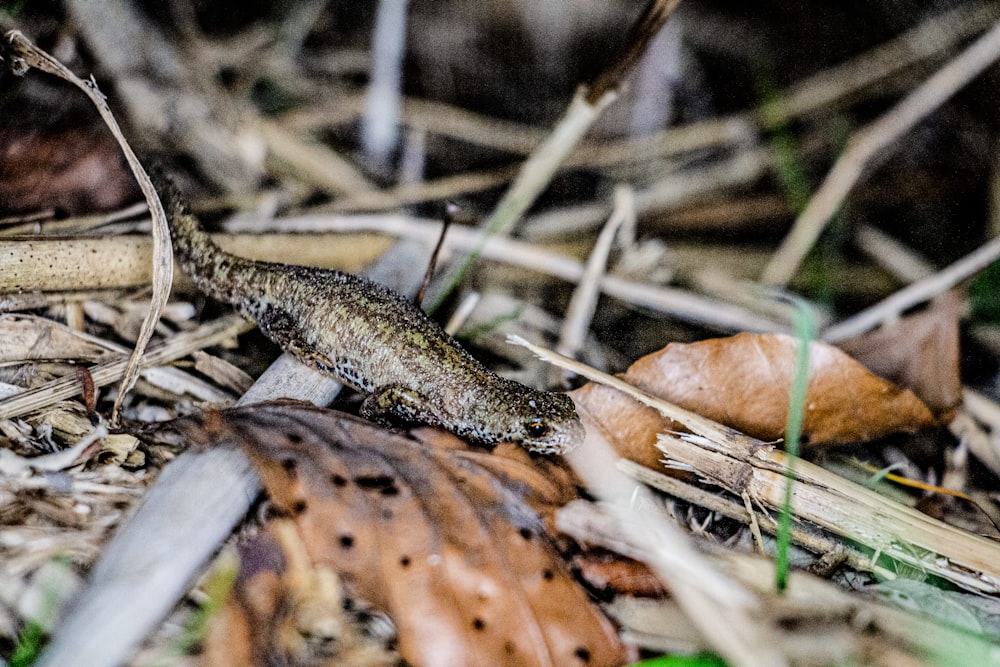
{"x":545,"y":422}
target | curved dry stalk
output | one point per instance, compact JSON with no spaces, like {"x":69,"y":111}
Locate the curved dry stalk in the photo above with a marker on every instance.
{"x":742,"y":464}
{"x":583,"y":303}
{"x":163,"y":266}
{"x":915,"y":293}
{"x":870,"y":143}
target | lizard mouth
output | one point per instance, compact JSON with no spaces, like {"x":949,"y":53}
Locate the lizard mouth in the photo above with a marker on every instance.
{"x":559,"y":443}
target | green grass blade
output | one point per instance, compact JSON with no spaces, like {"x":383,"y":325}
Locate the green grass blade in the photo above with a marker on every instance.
{"x":805,"y":332}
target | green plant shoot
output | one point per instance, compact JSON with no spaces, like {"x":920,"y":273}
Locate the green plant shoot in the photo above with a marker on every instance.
{"x":805,"y":332}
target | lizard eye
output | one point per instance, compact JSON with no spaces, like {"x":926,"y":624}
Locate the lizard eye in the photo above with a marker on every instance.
{"x":536,"y":428}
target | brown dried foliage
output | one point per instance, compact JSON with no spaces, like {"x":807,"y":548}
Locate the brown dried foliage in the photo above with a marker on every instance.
{"x":451,"y":543}
{"x":920,"y":352}
{"x":72,"y":170}
{"x":743,"y":382}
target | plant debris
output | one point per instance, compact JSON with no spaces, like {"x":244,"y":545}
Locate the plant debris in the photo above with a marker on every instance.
{"x":743,"y":382}
{"x":451,"y":543}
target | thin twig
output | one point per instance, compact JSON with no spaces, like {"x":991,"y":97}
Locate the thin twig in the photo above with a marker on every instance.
{"x":873,"y":68}
{"x":105,"y":373}
{"x":583,"y":303}
{"x":915,"y":293}
{"x":871,"y":143}
{"x":450,"y":212}
{"x":313,"y":162}
{"x":979,"y":409}
{"x":643,"y":32}
{"x":902,"y":262}
{"x":743,"y":165}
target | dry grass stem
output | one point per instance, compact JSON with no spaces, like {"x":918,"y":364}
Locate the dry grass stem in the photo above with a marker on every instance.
{"x":449,"y":121}
{"x":74,"y":225}
{"x":979,"y":409}
{"x":873,"y":69}
{"x":723,"y":612}
{"x":437,"y":118}
{"x":917,"y":292}
{"x":743,"y":166}
{"x":741,"y":464}
{"x":870,"y":143}
{"x":107,"y":372}
{"x":312,"y":162}
{"x":646,"y":28}
{"x":35,"y":300}
{"x":583,"y":303}
{"x":891,"y":255}
{"x":462,"y":313}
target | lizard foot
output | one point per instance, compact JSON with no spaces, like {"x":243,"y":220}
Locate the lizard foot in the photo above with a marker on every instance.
{"x":395,"y":403}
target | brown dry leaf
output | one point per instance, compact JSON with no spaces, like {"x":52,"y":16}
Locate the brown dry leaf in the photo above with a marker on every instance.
{"x":450,"y":543}
{"x":284,"y":611}
{"x":75,"y":170}
{"x":608,"y":571}
{"x":743,"y":382}
{"x":919,"y":352}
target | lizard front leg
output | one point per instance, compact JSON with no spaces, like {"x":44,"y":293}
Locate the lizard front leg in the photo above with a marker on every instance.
{"x":396,"y":402}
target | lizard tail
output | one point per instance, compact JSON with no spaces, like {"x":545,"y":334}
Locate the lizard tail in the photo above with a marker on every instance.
{"x":209,"y":266}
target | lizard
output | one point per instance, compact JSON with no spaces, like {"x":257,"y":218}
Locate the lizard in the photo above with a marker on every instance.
{"x":372,"y":339}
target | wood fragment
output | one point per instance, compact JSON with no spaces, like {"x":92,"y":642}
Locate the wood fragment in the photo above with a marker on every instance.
{"x":741,"y":464}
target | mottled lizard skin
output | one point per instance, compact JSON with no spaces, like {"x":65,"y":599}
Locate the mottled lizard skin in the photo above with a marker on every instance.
{"x":374,"y":340}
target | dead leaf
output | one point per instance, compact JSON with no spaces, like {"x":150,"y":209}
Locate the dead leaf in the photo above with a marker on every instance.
{"x":284,"y":611}
{"x":75,"y":170}
{"x":919,"y":352}
{"x":610,"y":572}
{"x":450,"y":543}
{"x":743,"y":382}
